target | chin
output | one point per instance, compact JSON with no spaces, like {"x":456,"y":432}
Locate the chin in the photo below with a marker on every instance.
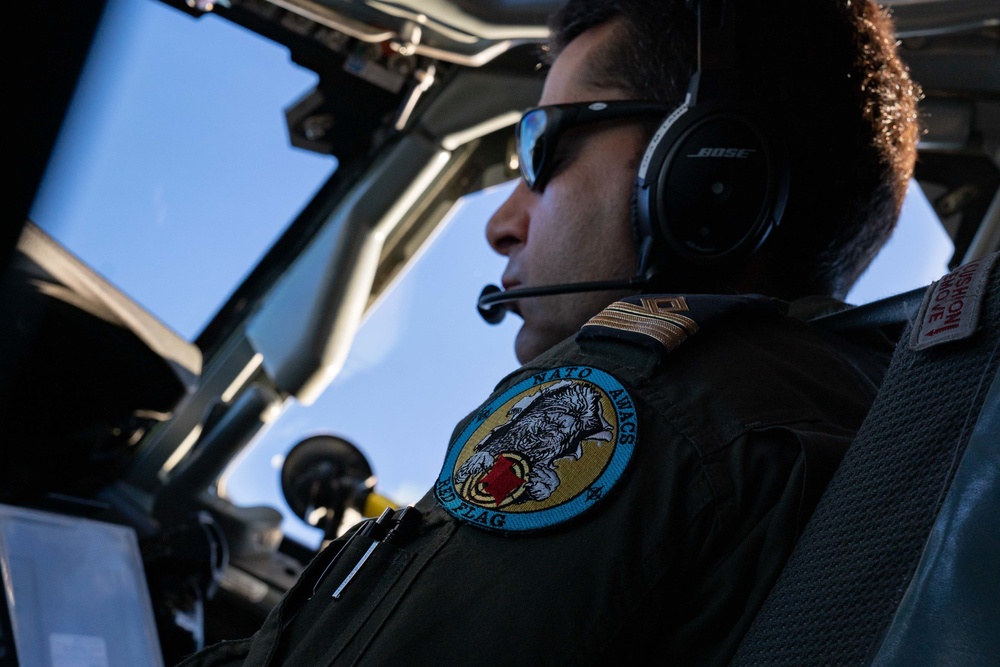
{"x":523,"y":347}
{"x":529,"y":344}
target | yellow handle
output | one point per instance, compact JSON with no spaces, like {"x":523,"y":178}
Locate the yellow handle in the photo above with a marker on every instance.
{"x":376,"y":504}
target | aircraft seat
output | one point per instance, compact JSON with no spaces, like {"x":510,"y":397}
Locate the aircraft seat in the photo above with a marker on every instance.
{"x":899,"y":563}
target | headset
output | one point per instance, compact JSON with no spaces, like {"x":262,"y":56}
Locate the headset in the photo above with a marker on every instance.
{"x":713,"y":182}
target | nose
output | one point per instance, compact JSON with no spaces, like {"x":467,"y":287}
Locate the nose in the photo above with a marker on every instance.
{"x":507,"y":228}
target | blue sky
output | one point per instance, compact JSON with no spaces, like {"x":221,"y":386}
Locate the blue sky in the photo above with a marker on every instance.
{"x":176,"y":175}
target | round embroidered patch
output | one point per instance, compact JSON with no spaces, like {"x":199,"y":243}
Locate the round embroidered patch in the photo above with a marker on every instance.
{"x":545,"y":451}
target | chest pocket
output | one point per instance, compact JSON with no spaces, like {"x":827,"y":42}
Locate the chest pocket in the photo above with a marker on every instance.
{"x":369,"y":578}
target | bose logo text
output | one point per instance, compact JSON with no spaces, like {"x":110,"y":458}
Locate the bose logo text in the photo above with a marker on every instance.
{"x":724,"y":152}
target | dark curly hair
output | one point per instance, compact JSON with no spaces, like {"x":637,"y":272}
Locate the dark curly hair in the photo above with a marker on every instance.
{"x":847,"y":102}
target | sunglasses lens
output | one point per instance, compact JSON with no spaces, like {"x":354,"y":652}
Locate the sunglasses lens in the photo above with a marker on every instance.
{"x":531,"y":144}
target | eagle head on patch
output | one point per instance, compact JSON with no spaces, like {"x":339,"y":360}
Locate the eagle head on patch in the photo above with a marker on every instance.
{"x":541,"y":429}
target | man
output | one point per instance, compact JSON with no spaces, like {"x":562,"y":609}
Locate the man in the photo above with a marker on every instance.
{"x":636,"y":486}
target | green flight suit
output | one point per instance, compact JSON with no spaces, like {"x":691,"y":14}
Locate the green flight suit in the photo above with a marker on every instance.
{"x":740,"y":410}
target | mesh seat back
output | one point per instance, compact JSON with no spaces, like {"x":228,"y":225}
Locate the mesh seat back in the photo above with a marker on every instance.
{"x":849,"y":571}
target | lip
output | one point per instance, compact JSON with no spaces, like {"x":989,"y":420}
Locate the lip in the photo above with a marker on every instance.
{"x":510,"y":283}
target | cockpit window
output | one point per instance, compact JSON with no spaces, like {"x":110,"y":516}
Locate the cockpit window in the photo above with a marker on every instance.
{"x":916,"y":254}
{"x":421,"y":361}
{"x":174,"y":172}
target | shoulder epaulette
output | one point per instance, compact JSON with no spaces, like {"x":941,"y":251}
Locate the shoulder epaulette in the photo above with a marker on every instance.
{"x":667,"y":320}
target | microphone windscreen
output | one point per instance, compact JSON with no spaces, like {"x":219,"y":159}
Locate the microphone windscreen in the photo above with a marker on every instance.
{"x":495,"y":313}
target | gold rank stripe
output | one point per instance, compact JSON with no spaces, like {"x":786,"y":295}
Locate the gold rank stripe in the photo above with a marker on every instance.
{"x":667,"y":328}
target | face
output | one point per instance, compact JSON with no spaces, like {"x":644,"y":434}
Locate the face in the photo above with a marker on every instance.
{"x":578,"y":227}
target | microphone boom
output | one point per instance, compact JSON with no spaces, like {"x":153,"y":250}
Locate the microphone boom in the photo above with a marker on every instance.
{"x":492,"y":298}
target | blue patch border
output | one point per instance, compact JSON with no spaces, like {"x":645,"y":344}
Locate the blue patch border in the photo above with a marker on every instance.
{"x":524,"y":522}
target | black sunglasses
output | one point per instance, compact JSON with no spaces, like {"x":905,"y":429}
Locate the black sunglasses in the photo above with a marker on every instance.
{"x":538,"y":131}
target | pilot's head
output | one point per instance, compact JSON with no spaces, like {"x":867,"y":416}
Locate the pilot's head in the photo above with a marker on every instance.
{"x":826,"y":71}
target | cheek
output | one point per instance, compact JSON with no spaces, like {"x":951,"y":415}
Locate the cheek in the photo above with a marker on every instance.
{"x":583,"y":221}
{"x":586,"y":227}
{"x":608,"y":183}
{"x":557,"y":223}
{"x":608,"y":214}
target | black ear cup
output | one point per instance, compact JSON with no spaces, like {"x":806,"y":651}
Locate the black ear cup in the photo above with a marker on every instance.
{"x":711,"y":186}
